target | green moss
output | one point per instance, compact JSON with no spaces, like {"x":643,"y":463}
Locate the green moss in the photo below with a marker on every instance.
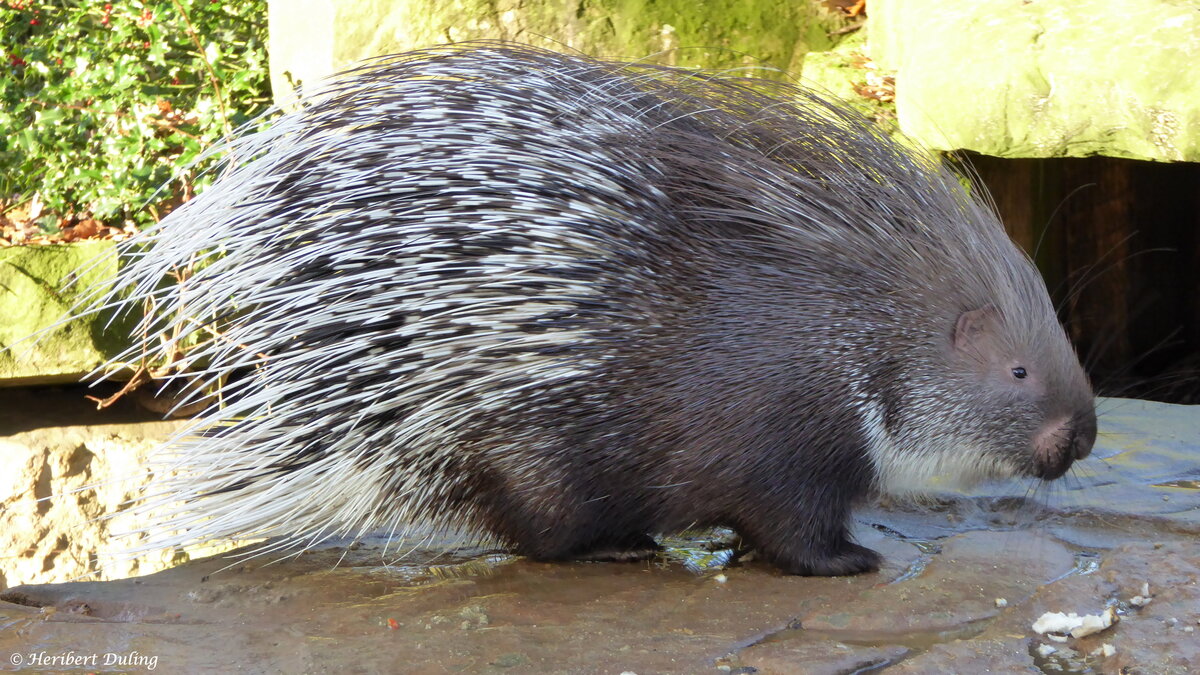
{"x":39,"y":287}
{"x":1046,"y":79}
{"x":719,"y":34}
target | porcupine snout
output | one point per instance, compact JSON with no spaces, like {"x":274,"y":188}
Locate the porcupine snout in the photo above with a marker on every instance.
{"x":1061,"y":441}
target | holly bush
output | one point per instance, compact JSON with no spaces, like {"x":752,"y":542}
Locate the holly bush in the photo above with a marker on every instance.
{"x":104,"y":104}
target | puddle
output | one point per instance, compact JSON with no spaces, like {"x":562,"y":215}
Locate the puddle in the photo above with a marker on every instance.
{"x":1062,"y":660}
{"x":1180,"y":484}
{"x":916,"y":641}
{"x":700,"y":551}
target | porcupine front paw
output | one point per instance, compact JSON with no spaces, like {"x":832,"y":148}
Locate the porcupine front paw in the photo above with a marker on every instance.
{"x":848,"y":558}
{"x":826,"y":552}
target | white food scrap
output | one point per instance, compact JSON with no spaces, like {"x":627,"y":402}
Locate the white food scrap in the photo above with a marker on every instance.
{"x":1144,"y":598}
{"x":1057,"y":624}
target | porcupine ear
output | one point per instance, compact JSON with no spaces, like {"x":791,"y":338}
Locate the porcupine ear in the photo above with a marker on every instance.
{"x":974,"y":329}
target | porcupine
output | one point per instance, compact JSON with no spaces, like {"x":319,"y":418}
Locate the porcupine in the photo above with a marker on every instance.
{"x":568,"y":305}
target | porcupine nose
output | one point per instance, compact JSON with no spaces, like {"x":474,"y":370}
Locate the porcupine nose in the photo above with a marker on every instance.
{"x":1061,"y":441}
{"x":1084,"y":436}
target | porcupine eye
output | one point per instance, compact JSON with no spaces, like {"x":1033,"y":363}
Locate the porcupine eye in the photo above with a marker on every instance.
{"x":1019,"y":372}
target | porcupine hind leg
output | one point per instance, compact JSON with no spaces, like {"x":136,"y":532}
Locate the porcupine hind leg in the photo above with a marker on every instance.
{"x":560,"y":520}
{"x":575,"y":541}
{"x":576,"y":532}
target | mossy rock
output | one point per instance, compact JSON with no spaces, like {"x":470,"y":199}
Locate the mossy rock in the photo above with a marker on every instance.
{"x":1053,"y":78}
{"x":312,"y":39}
{"x":40,"y":288}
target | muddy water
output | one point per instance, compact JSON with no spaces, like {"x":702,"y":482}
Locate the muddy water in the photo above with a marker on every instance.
{"x":966,"y":577}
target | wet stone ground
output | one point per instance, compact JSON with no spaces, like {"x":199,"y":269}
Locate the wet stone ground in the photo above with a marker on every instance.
{"x":965,"y":579}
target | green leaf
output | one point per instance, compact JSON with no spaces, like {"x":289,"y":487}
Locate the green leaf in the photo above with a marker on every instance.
{"x":79,"y":124}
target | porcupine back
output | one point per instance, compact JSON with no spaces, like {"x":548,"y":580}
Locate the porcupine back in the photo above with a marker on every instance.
{"x":529,"y":295}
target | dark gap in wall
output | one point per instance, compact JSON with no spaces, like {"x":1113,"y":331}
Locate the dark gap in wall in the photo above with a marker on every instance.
{"x":1120,"y":249}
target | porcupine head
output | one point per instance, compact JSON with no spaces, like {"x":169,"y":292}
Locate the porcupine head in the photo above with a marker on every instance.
{"x":570,"y":305}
